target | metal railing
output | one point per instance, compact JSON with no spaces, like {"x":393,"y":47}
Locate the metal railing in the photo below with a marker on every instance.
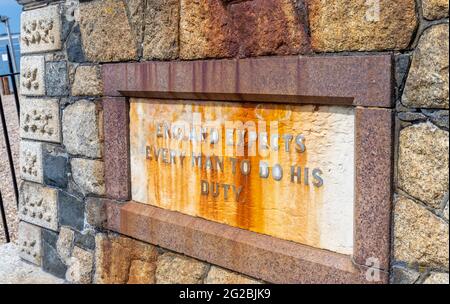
{"x":12,"y":75}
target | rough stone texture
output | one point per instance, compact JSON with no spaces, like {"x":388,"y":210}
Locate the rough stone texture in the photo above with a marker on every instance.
{"x":437,"y":278}
{"x":142,"y":272}
{"x":38,"y":205}
{"x":96,"y":212}
{"x":32,"y":82}
{"x":435,"y":9}
{"x":30,"y":243}
{"x":88,"y":81}
{"x":13,"y":270}
{"x":85,"y":240}
{"x":177,"y":269}
{"x":40,"y":30}
{"x":361,"y":25}
{"x":439,"y":118}
{"x":218,"y":275}
{"x":74,"y":47}
{"x":82,"y":130}
{"x":427,"y":83}
{"x":106,"y":32}
{"x":161,"y":29}
{"x":118,"y":260}
{"x":135,"y":9}
{"x":420,"y":237}
{"x":64,"y":245}
{"x":412,"y":116}
{"x":31,"y":161}
{"x":71,"y":211}
{"x":117,"y":137}
{"x":267,"y":27}
{"x":51,"y":262}
{"x":211,"y":29}
{"x":39,"y":119}
{"x":80,"y":268}
{"x":206,"y":30}
{"x":400,"y":275}
{"x":88,"y":175}
{"x":423,"y":163}
{"x":55,"y":166}
{"x":56,"y":80}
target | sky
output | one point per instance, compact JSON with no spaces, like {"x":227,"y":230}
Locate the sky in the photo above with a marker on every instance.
{"x":11,"y":9}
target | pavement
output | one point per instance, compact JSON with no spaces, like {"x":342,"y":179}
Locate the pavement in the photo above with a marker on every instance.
{"x":14,"y":270}
{"x":6,"y":185}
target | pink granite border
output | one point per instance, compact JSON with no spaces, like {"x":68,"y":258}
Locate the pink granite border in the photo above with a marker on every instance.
{"x":373,"y":163}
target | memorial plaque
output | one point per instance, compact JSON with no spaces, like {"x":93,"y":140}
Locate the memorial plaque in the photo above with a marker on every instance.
{"x":276,"y":169}
{"x":279,"y":168}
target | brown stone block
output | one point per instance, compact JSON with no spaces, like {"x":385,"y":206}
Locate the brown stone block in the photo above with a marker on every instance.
{"x":120,"y":260}
{"x":220,"y":29}
{"x":374,"y":171}
{"x":206,"y":30}
{"x":269,"y":27}
{"x":117,"y":161}
{"x":360,"y":25}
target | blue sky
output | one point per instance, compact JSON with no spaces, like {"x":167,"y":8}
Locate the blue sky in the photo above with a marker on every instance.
{"x":11,"y":9}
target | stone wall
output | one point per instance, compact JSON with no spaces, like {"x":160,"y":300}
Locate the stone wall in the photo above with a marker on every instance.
{"x":64,"y":45}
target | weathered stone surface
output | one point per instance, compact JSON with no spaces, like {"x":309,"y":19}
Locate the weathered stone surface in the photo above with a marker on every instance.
{"x":80,"y":268}
{"x":177,"y":269}
{"x":215,"y":29}
{"x":142,"y":272}
{"x":64,"y":245}
{"x":401,"y":275}
{"x":88,"y":175}
{"x":116,"y":260}
{"x":435,"y":9}
{"x":267,"y":27}
{"x":71,"y":211}
{"x":412,"y":116}
{"x":38,"y":205}
{"x":85,"y":140}
{"x":420,"y":237}
{"x":32,"y":82}
{"x":40,"y":30}
{"x":218,"y":275}
{"x":56,"y":80}
{"x":423,"y":163}
{"x":427,"y":83}
{"x":439,"y":117}
{"x":87,"y":81}
{"x":402,"y":62}
{"x":31,"y":161}
{"x":74,"y":46}
{"x":51,"y":262}
{"x":55,"y":166}
{"x":39,"y":119}
{"x":437,"y":278}
{"x":106,"y":32}
{"x":161,"y":29}
{"x":206,"y":30}
{"x":85,"y":239}
{"x":136,"y":9}
{"x":361,"y":25}
{"x":96,"y":212}
{"x":30,"y":243}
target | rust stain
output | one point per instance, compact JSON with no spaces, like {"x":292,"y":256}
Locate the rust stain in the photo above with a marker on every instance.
{"x":279,"y":208}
